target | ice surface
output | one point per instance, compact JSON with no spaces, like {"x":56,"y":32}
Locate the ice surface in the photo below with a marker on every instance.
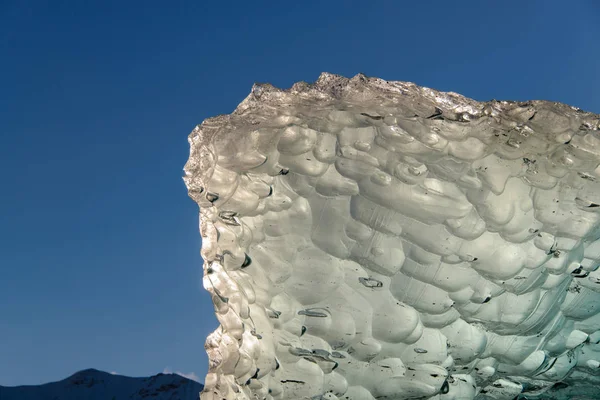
{"x":366,"y":239}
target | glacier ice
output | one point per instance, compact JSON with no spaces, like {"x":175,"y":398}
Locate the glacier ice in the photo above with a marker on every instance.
{"x":365,"y":239}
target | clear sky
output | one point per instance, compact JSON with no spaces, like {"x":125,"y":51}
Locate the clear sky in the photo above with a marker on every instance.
{"x":99,"y":243}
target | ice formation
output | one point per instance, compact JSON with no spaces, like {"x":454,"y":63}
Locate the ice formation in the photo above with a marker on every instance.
{"x":366,"y":239}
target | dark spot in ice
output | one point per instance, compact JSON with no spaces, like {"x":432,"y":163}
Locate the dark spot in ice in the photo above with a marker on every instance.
{"x":568,"y":141}
{"x":577,"y":270}
{"x":579,"y":273}
{"x":257,"y":335}
{"x":528,"y":161}
{"x":321,"y":353}
{"x":553,"y":251}
{"x":221,"y":297}
{"x":311,"y":312}
{"x":375,"y":117}
{"x":370,"y":282}
{"x":229,"y":217}
{"x":255,"y":376}
{"x":303,"y":330}
{"x":420,"y":350}
{"x":284,"y":171}
{"x":437,"y":114}
{"x":592,"y":205}
{"x":300,"y":352}
{"x":556,"y":253}
{"x":487,"y":299}
{"x":559,"y":385}
{"x":585,"y":175}
{"x":270,"y":191}
{"x":291,"y":381}
{"x":434,"y":375}
{"x":212,"y":197}
{"x":548,"y":368}
{"x":247,"y":261}
{"x":445,"y":387}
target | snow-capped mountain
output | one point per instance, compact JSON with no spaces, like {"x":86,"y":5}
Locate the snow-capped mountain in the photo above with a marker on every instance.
{"x":91,"y":384}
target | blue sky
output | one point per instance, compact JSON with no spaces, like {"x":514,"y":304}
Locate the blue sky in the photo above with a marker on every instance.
{"x":99,"y":243}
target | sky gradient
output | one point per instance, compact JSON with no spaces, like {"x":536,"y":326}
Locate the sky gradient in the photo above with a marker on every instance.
{"x":99,"y":243}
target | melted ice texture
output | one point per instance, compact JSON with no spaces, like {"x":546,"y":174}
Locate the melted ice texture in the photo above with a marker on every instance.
{"x":366,"y":239}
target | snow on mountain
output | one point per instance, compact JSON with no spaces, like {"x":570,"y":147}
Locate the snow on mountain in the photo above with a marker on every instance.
{"x":91,"y":384}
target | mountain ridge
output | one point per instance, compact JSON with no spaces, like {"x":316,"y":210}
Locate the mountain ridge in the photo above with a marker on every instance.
{"x":93,"y":384}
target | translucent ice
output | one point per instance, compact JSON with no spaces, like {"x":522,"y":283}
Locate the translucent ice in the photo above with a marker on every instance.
{"x":366,"y":239}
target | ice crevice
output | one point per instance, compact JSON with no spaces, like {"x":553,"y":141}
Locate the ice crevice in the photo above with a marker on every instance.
{"x":365,"y":239}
